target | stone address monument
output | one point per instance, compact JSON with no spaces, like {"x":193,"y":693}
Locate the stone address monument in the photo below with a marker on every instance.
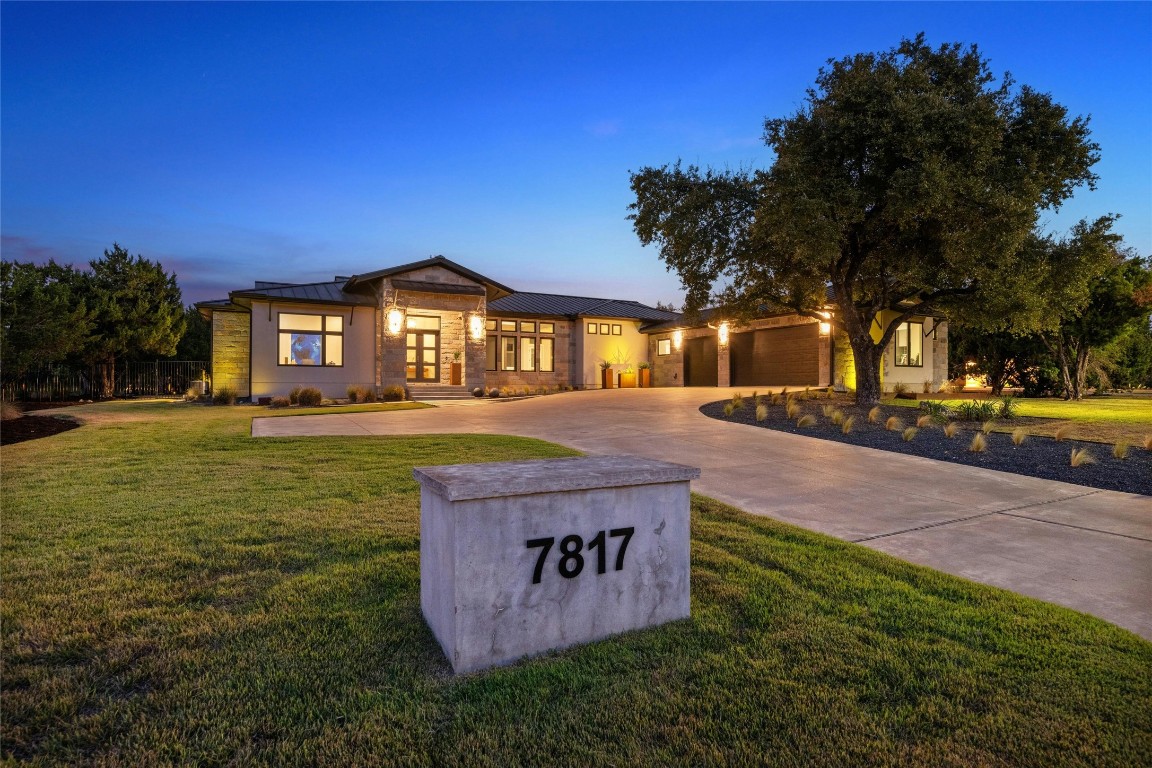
{"x":518,"y":558}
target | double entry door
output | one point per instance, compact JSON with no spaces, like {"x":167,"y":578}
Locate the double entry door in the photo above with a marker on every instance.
{"x":423,"y":355}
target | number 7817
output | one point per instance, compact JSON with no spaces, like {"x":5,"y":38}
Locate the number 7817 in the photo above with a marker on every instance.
{"x":572,"y":561}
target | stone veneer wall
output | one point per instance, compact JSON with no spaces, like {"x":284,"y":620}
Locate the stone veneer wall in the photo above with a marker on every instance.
{"x":940,"y":355}
{"x":453,"y":310}
{"x":563,"y":352}
{"x":230,"y":351}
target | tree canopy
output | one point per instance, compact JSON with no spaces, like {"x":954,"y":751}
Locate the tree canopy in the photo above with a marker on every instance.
{"x":909,"y":180}
{"x":43,"y":316}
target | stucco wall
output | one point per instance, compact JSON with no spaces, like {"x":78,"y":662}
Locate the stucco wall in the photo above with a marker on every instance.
{"x":629,"y":348}
{"x":935,"y":351}
{"x":269,"y":379}
{"x":230,"y":338}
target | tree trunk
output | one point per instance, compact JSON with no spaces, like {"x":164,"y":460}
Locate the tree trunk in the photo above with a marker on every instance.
{"x":867,"y":358}
{"x":1060,"y":350}
{"x":107,"y":379}
{"x":1081,"y":369}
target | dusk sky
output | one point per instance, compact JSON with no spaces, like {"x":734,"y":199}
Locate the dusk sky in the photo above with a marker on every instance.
{"x":236,"y":142}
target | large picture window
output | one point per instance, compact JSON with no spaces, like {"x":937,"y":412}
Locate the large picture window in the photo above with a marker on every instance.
{"x":527,"y":353}
{"x":508,"y":356}
{"x":492,"y":352}
{"x":310,"y":339}
{"x":910,"y":345}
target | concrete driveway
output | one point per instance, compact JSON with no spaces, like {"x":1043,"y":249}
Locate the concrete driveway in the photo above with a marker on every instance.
{"x":1079,"y":547}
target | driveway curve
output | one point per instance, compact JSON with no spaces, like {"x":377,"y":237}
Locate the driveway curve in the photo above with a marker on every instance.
{"x":1083,"y":548}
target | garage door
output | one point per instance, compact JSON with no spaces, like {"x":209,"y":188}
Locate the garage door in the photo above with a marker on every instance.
{"x":700,"y":362}
{"x":776,"y":357}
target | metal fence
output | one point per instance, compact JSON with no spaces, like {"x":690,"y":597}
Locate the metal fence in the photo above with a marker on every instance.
{"x":161,"y":378}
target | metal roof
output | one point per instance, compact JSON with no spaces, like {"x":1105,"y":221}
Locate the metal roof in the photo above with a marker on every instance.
{"x":323,"y":293}
{"x":558,"y":305}
{"x":426,"y":286}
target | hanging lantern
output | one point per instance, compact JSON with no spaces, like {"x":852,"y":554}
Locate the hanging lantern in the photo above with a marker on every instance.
{"x":476,"y":327}
{"x":395,"y":320}
{"x":678,"y":339}
{"x":722,"y":334}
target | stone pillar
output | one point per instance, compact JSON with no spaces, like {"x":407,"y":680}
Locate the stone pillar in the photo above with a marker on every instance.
{"x":724,"y":364}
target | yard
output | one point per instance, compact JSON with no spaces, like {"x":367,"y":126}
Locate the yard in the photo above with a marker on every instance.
{"x":174,"y":591}
{"x":1101,"y":419}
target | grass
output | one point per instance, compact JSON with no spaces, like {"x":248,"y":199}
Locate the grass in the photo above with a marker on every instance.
{"x":174,"y":591}
{"x":1106,"y":419}
{"x":335,"y":410}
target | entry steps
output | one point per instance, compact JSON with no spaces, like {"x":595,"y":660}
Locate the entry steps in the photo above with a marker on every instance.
{"x":420,"y":392}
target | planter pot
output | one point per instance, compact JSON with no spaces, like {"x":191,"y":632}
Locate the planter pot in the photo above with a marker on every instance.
{"x":627,"y":381}
{"x":645,"y":377}
{"x":606,"y":378}
{"x":457,"y":374}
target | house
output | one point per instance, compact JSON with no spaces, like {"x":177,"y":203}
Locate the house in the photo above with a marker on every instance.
{"x":433,"y":324}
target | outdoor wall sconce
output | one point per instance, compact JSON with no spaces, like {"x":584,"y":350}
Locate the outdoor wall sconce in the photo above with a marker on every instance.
{"x":722,"y":334}
{"x":395,"y":320}
{"x":678,"y":339}
{"x":825,"y":328}
{"x":476,"y":327}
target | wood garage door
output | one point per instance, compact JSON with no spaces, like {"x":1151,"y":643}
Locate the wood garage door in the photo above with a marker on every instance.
{"x":700,"y":362}
{"x":776,"y":357}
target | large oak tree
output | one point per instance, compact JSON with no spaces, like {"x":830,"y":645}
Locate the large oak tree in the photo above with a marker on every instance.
{"x":908,"y":180}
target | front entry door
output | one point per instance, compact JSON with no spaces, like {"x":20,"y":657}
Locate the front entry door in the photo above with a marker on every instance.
{"x":423,"y":356}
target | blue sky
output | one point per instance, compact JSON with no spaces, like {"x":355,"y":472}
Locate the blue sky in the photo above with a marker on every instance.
{"x":236,"y":141}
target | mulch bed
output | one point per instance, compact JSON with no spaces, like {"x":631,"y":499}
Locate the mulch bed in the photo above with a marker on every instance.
{"x":33,"y":427}
{"x":1040,"y":457}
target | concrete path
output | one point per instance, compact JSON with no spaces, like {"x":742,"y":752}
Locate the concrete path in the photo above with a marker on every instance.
{"x":1083,"y":548}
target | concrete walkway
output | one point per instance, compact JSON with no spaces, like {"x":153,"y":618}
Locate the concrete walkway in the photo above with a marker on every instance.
{"x":1083,"y":548}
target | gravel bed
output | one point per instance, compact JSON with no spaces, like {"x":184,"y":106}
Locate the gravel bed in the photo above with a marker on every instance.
{"x":1041,"y":457}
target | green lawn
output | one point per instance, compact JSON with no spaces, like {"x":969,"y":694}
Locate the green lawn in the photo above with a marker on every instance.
{"x":174,"y":591}
{"x":1106,"y":419}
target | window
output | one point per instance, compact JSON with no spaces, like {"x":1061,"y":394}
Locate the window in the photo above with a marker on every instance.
{"x":604,"y":329}
{"x":527,"y":327}
{"x":418,"y":323}
{"x":910,"y":345}
{"x":311,"y":339}
{"x":617,"y":330}
{"x":528,"y":353}
{"x":547,"y":327}
{"x":508,"y":359}
{"x":492,"y":350}
{"x":508,"y":325}
{"x":664,"y":347}
{"x":592,"y":327}
{"x":547,"y":356}
{"x":489,"y":325}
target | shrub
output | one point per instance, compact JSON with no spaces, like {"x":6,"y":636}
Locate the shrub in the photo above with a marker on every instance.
{"x":792,"y":408}
{"x":977,"y":410}
{"x":729,"y":409}
{"x":224,"y":396}
{"x":761,"y":412}
{"x":1080,"y":457}
{"x":874,"y":415}
{"x":294,"y":395}
{"x":310,"y":397}
{"x":950,"y":429}
{"x":1008,"y":407}
{"x":899,"y":389}
{"x":987,"y":426}
{"x":1063,"y":433}
{"x":9,"y":411}
{"x":978,"y":444}
{"x":927,"y":386}
{"x":893,"y":424}
{"x":356,"y":394}
{"x":924,"y":421}
{"x":1120,"y":450}
{"x":1018,"y":436}
{"x":737,"y":401}
{"x":827,"y":409}
{"x":830,"y":392}
{"x":393,"y":393}
{"x":1147,"y":443}
{"x":846,"y":427}
{"x":279,"y":402}
{"x":837,"y":416}
{"x":936,"y":409}
{"x":776,"y":401}
{"x":909,"y":433}
{"x":369,"y":394}
{"x":806,"y":420}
